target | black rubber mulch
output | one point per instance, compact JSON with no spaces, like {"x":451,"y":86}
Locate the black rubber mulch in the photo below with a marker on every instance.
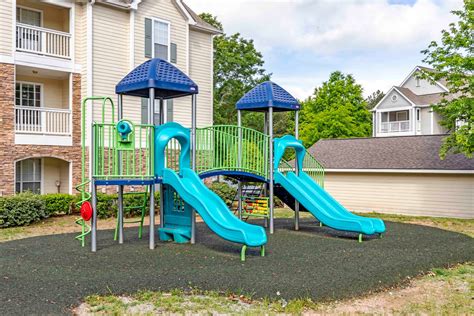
{"x":51,"y":274}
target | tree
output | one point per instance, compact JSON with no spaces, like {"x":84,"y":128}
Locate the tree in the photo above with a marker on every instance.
{"x":374,"y":98}
{"x":453,"y":62}
{"x":238,"y":67}
{"x":337,"y":109}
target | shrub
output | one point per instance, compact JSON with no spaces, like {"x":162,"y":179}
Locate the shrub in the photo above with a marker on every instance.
{"x":58,"y":203}
{"x":224,"y":190}
{"x":21,"y":209}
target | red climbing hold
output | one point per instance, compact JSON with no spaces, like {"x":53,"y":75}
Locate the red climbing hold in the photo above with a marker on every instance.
{"x":86,"y":211}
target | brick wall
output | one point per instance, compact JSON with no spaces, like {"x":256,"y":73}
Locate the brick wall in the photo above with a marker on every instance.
{"x":9,"y":152}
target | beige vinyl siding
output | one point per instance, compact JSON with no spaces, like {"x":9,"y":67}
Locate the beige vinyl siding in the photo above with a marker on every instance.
{"x":80,"y":43}
{"x":425,"y":86}
{"x":164,"y":10}
{"x":111,"y":53}
{"x":425,"y":121}
{"x":54,"y":170}
{"x":6,"y":28}
{"x":440,"y":195}
{"x":55,"y":92}
{"x":201,"y":72}
{"x":389,"y":104}
{"x":54,"y":17}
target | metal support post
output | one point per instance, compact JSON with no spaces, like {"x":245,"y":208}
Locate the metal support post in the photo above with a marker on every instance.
{"x":93,"y":195}
{"x":297,"y":171}
{"x":266,"y":186}
{"x":151,"y":109}
{"x":160,"y":186}
{"x":120,"y":187}
{"x":270,"y":134}
{"x":239,"y":161}
{"x":193,"y":160}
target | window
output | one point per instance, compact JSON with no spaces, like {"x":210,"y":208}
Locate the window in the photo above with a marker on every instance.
{"x":394,"y":98}
{"x":27,"y":94}
{"x":417,"y":82}
{"x":28,"y":176}
{"x":161,"y":39}
{"x":28,"y":16}
{"x":418,"y":115}
{"x":156,"y":114}
{"x":401,"y":116}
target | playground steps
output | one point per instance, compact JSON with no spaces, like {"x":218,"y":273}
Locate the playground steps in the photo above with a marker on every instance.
{"x":180,"y":235}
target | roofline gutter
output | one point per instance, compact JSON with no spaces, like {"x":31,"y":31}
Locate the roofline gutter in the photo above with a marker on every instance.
{"x":424,"y":171}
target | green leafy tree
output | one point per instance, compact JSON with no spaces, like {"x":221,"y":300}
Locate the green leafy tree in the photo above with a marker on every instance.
{"x":453,"y":61}
{"x":337,"y":109}
{"x":374,"y":98}
{"x":238,"y":67}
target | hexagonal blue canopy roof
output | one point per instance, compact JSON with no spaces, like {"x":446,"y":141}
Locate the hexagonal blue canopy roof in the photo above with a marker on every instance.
{"x":167,"y":80}
{"x":265,"y":95}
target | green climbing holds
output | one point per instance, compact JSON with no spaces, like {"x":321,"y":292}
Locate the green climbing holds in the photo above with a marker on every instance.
{"x":242,"y":253}
{"x":262,"y":251}
{"x":360,"y":237}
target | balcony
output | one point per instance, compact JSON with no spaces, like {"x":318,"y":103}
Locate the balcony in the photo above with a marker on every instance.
{"x":43,"y":34}
{"x":43,"y":41}
{"x":395,"y":127}
{"x":42,"y":121}
{"x":42,"y":107}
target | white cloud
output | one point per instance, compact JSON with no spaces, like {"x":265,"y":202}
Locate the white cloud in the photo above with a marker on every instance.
{"x":328,"y":27}
{"x":304,"y":40}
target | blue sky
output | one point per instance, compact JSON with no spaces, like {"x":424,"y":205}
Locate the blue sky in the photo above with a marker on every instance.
{"x":303,"y":41}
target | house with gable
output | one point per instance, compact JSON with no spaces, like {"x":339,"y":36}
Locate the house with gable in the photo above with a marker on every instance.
{"x":399,"y":170}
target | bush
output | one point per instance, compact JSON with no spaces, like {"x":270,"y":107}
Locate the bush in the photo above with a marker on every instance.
{"x":224,"y":190}
{"x":58,"y":204}
{"x":21,"y":209}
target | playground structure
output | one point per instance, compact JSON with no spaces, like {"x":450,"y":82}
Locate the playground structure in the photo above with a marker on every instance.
{"x":176,"y":159}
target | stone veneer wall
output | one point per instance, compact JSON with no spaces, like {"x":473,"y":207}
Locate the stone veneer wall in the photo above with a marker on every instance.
{"x":10,"y":153}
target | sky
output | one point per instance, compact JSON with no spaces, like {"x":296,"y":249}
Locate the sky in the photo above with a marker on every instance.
{"x":303,"y":41}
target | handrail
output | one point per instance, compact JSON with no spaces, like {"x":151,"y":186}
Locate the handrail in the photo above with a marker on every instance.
{"x":43,"y":29}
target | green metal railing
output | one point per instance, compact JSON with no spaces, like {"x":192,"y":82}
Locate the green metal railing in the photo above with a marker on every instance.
{"x":217,"y":148}
{"x":110,"y":162}
{"x":310,"y":165}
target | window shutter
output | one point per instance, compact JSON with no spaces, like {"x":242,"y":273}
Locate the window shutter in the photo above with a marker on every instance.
{"x":144,"y":111}
{"x":169,"y":111}
{"x":148,"y":39}
{"x":174,"y":53}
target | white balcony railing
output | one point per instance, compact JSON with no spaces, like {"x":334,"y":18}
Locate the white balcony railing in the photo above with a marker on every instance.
{"x":394,"y":127}
{"x":48,"y":121}
{"x":42,"y":41}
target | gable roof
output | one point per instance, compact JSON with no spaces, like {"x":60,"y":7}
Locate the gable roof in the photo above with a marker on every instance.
{"x":200,"y":23}
{"x":424,"y":99}
{"x":440,"y":83}
{"x":388,"y":153}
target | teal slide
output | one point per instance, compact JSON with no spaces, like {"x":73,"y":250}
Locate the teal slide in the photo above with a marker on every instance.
{"x":315,"y":199}
{"x":212,"y":209}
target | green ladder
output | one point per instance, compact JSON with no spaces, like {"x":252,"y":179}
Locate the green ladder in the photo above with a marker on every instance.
{"x":128,"y":208}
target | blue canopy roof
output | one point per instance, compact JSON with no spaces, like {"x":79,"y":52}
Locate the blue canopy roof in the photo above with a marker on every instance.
{"x":265,"y":95}
{"x":167,"y":80}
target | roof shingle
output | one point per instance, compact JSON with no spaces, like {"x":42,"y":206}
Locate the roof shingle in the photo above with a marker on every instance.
{"x":401,"y":152}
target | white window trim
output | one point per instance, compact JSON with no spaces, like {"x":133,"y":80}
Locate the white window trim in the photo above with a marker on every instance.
{"x":33,"y":83}
{"x":153,"y":35}
{"x":42,"y":173}
{"x":31,"y":9}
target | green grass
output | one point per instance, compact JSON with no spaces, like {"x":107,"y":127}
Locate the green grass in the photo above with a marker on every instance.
{"x":454,"y":299}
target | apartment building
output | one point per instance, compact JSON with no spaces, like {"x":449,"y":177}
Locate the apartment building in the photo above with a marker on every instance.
{"x":54,"y":53}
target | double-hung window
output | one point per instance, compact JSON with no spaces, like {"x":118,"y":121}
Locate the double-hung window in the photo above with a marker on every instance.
{"x":28,"y":176}
{"x":161,"y":39}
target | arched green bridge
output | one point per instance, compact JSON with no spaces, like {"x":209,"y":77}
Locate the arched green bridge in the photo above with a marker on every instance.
{"x":217,"y":153}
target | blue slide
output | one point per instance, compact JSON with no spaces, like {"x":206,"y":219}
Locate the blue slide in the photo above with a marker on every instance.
{"x":212,"y":209}
{"x":315,"y":199}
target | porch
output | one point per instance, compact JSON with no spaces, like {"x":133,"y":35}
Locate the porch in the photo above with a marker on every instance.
{"x":43,"y":31}
{"x":42,"y":106}
{"x":398,"y":123}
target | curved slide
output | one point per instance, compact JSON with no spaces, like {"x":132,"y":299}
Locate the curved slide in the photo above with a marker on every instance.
{"x":212,"y":209}
{"x":324,"y":207}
